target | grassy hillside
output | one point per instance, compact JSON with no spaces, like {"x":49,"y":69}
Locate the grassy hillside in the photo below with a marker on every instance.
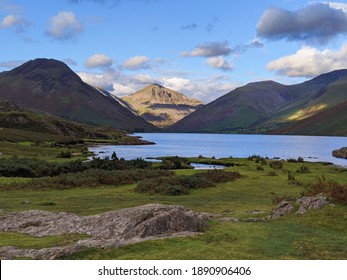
{"x":269,"y":107}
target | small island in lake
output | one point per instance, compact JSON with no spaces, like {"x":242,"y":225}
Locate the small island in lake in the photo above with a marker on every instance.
{"x":340,"y":153}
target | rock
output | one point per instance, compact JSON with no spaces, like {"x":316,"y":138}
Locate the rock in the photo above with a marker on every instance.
{"x":26,"y":202}
{"x":284,"y":207}
{"x":311,"y":202}
{"x":255,"y":212}
{"x":110,"y":229}
{"x":340,"y":153}
{"x":230,"y":219}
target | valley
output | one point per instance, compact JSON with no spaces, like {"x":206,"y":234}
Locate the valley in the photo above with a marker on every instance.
{"x":54,"y":189}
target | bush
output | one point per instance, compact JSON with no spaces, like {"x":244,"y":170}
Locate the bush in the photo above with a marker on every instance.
{"x":175,"y":163}
{"x":276,"y":164}
{"x":303,"y":169}
{"x":291,"y":176}
{"x":64,"y":154}
{"x":332,"y":189}
{"x":260,"y":168}
{"x":219,"y":176}
{"x":300,"y":159}
{"x":32,"y":168}
{"x":88,"y":179}
{"x":178,"y":185}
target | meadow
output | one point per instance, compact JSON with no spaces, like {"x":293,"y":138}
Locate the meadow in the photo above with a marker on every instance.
{"x":249,"y":198}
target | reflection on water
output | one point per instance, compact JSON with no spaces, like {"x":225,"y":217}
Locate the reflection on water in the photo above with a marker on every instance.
{"x":311,"y":148}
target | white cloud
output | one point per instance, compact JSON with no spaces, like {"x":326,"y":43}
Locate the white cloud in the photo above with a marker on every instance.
{"x":219,"y":62}
{"x":16,"y":22}
{"x":177,"y":83}
{"x":122,"y":90}
{"x":136,"y":63}
{"x":309,"y":61}
{"x":98,"y":60}
{"x":120,"y":84}
{"x":336,"y":5}
{"x":143,"y":79}
{"x":210,"y":89}
{"x":210,"y":49}
{"x":64,"y":26}
{"x":105,"y":80}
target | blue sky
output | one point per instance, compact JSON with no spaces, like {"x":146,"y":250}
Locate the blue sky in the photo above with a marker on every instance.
{"x":201,"y":48}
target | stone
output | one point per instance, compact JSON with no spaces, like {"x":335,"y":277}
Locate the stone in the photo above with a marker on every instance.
{"x":282,"y":208}
{"x":230,"y":219}
{"x":311,"y":202}
{"x":107,"y":230}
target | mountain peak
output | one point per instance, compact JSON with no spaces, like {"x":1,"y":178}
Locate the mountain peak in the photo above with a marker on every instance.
{"x":155,"y":85}
{"x":40,"y":64}
{"x":160,"y":105}
{"x":49,"y":85}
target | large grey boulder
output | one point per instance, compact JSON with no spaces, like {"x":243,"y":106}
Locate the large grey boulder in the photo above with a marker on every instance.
{"x":110,"y":229}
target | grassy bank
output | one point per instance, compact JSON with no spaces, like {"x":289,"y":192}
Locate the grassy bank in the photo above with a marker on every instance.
{"x":318,"y":234}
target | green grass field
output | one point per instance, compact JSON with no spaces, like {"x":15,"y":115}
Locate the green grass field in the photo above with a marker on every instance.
{"x":318,"y":234}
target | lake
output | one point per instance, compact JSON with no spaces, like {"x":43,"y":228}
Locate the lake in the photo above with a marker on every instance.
{"x":311,"y":148}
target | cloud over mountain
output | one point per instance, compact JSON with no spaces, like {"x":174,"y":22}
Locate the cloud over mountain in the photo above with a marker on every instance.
{"x":12,"y":21}
{"x":64,"y":26}
{"x":136,"y":63}
{"x":219,"y":62}
{"x":316,"y":22}
{"x":98,"y":60}
{"x":309,"y":62}
{"x":210,"y":49}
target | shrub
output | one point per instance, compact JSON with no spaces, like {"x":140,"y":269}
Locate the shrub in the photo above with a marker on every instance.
{"x":291,"y":176}
{"x":260,"y":168}
{"x":219,"y":176}
{"x":88,"y":179}
{"x":303,"y":169}
{"x":175,"y":163}
{"x":300,"y":159}
{"x":178,"y":185}
{"x":276,"y":164}
{"x":64,"y":154}
{"x":332,"y":189}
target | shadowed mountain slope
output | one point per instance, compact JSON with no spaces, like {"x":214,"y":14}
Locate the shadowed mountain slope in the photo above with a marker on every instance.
{"x":50,"y":86}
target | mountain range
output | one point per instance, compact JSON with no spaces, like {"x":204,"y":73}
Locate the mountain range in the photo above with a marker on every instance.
{"x":50,"y":86}
{"x":161,"y":106}
{"x":315,"y":107}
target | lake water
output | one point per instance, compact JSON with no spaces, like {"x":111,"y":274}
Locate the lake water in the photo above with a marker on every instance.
{"x":311,"y":148}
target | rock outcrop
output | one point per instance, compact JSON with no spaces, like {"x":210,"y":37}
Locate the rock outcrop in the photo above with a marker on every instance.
{"x":305,"y":203}
{"x":107,"y":230}
{"x":311,"y":202}
{"x":282,"y":208}
{"x":340,"y":153}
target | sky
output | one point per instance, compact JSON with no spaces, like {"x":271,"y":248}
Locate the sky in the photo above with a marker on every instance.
{"x":202,"y":49}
